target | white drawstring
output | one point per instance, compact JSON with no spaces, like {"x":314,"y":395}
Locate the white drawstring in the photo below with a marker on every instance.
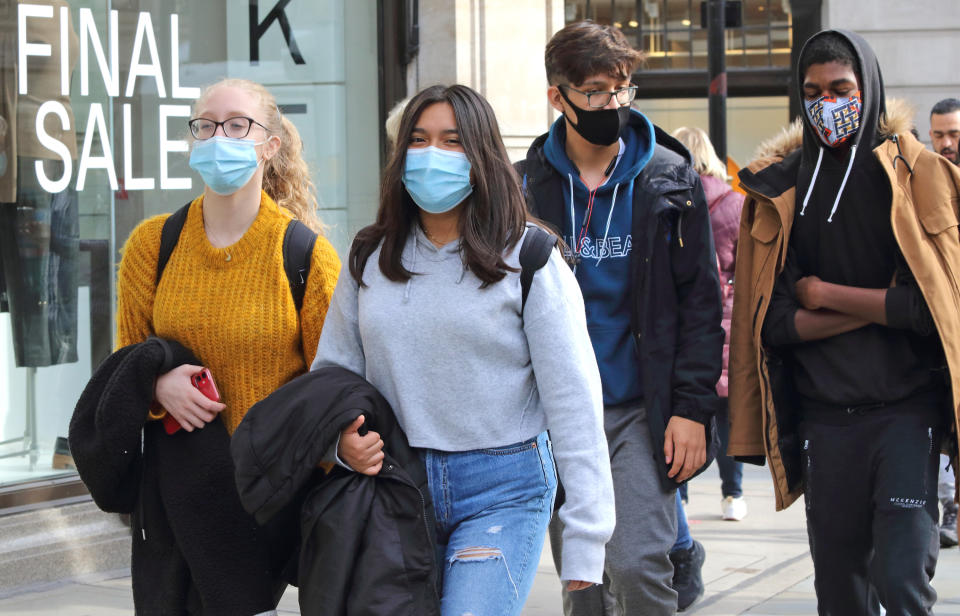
{"x":813,"y":181}
{"x":836,"y":203}
{"x":606,"y":231}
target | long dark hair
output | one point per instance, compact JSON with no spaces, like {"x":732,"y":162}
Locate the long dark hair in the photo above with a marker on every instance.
{"x":493,"y":216}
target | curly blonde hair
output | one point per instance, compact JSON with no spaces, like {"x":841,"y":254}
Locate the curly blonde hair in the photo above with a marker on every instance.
{"x":286,"y":176}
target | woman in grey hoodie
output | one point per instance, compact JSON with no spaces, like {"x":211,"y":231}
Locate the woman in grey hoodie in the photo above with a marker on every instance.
{"x":430,"y":312}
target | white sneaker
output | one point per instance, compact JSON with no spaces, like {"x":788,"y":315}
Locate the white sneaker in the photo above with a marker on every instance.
{"x":734,"y":508}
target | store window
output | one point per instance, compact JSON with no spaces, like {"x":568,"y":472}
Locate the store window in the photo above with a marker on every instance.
{"x":673,"y":82}
{"x":672,"y":34}
{"x":94,"y":100}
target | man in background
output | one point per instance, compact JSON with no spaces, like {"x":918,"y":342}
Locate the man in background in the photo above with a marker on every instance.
{"x":944,"y":137}
{"x":945,"y":129}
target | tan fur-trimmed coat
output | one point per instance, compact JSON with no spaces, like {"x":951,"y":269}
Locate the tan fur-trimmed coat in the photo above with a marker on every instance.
{"x":924,"y":217}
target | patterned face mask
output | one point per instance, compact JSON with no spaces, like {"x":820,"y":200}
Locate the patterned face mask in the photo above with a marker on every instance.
{"x":835,"y":118}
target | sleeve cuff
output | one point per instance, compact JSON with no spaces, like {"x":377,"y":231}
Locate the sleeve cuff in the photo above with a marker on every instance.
{"x":582,"y":559}
{"x":693,"y":413}
{"x":897,"y":307}
{"x":155,"y":411}
{"x":331,"y":457}
{"x":780,"y":326}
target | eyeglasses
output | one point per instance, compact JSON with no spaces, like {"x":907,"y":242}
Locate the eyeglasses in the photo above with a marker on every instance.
{"x":235,"y":128}
{"x":599,"y":100}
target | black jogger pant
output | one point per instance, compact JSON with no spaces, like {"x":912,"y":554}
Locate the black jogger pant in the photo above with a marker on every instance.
{"x":870,"y":481}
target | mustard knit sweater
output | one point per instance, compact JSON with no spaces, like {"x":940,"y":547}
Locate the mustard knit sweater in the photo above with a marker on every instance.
{"x":231,"y":306}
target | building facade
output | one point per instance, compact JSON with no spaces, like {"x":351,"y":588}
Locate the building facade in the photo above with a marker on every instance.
{"x":94,"y":100}
{"x":95,"y":95}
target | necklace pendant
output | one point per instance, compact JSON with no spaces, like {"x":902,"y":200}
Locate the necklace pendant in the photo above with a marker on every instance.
{"x":228,"y":256}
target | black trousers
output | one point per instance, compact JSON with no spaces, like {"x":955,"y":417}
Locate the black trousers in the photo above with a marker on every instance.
{"x":195,"y":550}
{"x":870,"y":482}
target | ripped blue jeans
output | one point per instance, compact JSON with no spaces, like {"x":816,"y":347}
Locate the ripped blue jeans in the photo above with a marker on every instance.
{"x":492,"y":508}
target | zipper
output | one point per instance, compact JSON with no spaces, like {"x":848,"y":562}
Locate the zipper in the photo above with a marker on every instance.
{"x":423,"y":505}
{"x":756,"y":313}
{"x":143,"y":472}
{"x":764,"y":373}
{"x":689,"y":204}
{"x":644,"y":266}
{"x":670,"y":205}
{"x":766,"y":399}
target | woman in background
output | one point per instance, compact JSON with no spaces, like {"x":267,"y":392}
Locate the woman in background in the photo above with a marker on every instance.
{"x":725,"y":205}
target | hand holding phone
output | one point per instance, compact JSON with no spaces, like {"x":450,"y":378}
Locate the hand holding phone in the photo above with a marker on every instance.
{"x":204,"y":382}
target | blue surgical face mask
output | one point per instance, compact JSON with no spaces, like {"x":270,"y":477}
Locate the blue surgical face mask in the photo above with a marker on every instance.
{"x":225,"y":164}
{"x":437,"y":180}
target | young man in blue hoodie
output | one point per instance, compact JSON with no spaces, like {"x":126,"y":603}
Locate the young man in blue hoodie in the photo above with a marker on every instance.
{"x":625,"y":198}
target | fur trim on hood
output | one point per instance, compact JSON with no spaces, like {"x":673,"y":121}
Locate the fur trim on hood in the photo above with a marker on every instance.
{"x":898,"y":120}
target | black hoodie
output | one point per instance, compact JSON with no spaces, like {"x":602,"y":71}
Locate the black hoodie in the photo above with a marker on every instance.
{"x":849,"y":241}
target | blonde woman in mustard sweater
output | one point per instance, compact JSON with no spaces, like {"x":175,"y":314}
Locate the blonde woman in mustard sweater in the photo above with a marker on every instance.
{"x":224,"y":295}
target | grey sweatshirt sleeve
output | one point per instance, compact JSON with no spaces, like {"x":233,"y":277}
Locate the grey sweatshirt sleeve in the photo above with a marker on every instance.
{"x":340,"y":340}
{"x":340,"y":343}
{"x":568,"y":381}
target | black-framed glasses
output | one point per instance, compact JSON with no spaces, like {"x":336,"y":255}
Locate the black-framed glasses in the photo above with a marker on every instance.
{"x":599,"y":100}
{"x":235,"y":128}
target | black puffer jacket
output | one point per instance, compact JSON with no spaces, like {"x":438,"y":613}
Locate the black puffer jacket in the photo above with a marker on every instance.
{"x":674,"y":285}
{"x":366,"y":542}
{"x":107,"y":423}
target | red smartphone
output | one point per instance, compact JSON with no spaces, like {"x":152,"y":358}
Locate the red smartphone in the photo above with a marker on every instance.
{"x":203,"y":381}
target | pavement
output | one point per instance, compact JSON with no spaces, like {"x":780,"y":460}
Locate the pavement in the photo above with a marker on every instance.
{"x":759,"y":566}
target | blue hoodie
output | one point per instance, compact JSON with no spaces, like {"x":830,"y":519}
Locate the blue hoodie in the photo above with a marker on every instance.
{"x":603,"y":270}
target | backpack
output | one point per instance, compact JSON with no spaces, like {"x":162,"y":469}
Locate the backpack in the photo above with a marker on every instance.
{"x":298,"y":241}
{"x":534,"y":254}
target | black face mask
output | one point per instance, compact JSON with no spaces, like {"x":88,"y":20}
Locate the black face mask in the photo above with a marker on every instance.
{"x":600,"y":126}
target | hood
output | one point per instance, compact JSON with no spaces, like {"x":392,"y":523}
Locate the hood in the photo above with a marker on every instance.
{"x":638,"y":139}
{"x":871,"y":89}
{"x":873,"y":109}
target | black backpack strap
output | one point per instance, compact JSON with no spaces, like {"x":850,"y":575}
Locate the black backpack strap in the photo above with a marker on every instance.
{"x":169,"y":236}
{"x":298,"y":244}
{"x":534,"y":254}
{"x":298,"y":241}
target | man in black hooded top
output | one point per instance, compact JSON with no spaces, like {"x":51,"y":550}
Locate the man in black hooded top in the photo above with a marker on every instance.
{"x":851,"y":367}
